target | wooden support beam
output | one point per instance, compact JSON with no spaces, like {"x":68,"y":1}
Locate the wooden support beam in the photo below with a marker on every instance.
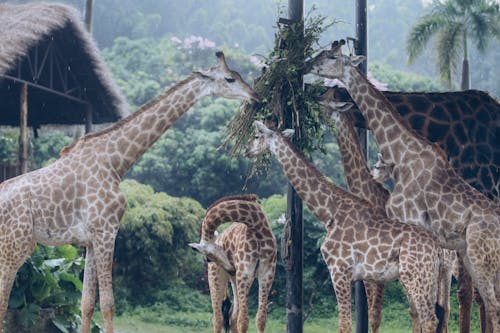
{"x":23,"y":129}
{"x":88,"y":119}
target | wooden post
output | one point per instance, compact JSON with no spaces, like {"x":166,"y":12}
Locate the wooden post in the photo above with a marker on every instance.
{"x":23,"y":128}
{"x":89,"y":5}
{"x":294,"y":269}
{"x":361,"y":49}
{"x":88,"y":119}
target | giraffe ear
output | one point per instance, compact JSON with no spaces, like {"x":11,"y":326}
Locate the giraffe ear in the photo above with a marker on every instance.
{"x":262,"y":128}
{"x":288,"y":133}
{"x":202,"y":75}
{"x":356,"y":60}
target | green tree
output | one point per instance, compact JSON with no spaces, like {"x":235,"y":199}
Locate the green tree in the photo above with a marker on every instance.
{"x":454,"y":22}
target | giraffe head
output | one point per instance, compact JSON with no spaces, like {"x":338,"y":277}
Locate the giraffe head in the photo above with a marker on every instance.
{"x":332,"y":63}
{"x":332,"y":104}
{"x":382,"y":170}
{"x":264,"y":138}
{"x":222,"y":81}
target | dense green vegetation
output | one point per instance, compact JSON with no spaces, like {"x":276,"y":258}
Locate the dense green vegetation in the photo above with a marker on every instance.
{"x":150,"y":45}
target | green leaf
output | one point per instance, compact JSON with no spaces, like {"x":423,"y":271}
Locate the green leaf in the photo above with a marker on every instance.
{"x":60,"y":323}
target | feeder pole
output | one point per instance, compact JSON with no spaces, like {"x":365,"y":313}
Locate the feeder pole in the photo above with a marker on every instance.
{"x":294,"y":267}
{"x":361,"y":48}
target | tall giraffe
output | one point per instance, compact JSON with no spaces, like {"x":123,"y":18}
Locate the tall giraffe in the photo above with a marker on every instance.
{"x":361,"y":243}
{"x":250,"y":248}
{"x":362,"y":184}
{"x":77,"y":198}
{"x":466,"y":124}
{"x":427,"y":190}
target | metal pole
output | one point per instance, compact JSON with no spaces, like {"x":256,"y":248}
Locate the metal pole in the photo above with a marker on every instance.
{"x":361,"y":49}
{"x":294,"y":269}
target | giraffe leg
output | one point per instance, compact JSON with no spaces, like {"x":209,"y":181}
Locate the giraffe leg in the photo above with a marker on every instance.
{"x":217,"y":282}
{"x":374,"y":295}
{"x":464,"y":295}
{"x":7,"y":277}
{"x":421,"y":285}
{"x":447,"y":263}
{"x":89,"y":289}
{"x":266,"y":278}
{"x":244,"y":281}
{"x":482,"y":263}
{"x":14,"y":253}
{"x":103,"y":263}
{"x":236,"y":306}
{"x":342,"y":286}
{"x":482,"y":313}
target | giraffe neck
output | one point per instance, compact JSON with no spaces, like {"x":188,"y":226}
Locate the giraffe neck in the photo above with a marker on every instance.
{"x":393,"y":137}
{"x":359,"y":179}
{"x":246,"y":212}
{"x":124,"y":142}
{"x":320,"y":195}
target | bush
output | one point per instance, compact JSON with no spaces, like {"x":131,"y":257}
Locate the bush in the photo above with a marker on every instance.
{"x":151,"y":252}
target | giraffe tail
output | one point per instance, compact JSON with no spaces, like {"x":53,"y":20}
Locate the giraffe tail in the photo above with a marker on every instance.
{"x":440,"y":313}
{"x":443,"y":293}
{"x":226,"y":313}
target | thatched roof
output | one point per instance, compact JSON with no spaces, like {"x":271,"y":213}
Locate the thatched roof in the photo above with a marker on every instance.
{"x":32,"y":33}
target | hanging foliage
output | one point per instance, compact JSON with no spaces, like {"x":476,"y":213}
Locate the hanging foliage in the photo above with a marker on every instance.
{"x":285,"y":103}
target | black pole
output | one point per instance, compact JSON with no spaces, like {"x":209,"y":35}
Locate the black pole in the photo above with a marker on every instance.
{"x":361,"y":48}
{"x":294,"y":267}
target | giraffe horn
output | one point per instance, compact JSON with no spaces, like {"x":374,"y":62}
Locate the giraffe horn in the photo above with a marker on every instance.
{"x":222,"y":59}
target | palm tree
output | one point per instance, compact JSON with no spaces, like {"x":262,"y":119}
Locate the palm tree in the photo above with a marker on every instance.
{"x":453,"y":21}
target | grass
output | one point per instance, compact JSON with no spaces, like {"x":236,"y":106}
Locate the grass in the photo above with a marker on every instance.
{"x":160,"y":318}
{"x":150,"y":321}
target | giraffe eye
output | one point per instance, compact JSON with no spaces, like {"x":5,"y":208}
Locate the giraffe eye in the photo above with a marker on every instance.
{"x":230,"y":79}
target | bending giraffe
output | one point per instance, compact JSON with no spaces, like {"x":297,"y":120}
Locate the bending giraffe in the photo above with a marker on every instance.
{"x":361,"y":243}
{"x":427,"y":190}
{"x":361,"y":184}
{"x":244,"y":251}
{"x":77,"y":198}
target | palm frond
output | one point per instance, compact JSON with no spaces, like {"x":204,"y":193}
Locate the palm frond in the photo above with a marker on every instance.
{"x":449,"y":48}
{"x":421,"y":33}
{"x":484,"y":24}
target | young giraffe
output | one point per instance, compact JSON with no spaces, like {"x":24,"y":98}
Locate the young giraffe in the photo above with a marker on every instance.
{"x":427,"y":190}
{"x":440,"y":117}
{"x":77,"y":198}
{"x":361,"y":184}
{"x":247,"y":250}
{"x":361,"y":243}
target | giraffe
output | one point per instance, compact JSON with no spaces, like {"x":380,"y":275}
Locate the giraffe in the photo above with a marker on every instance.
{"x":361,"y":243}
{"x":472,"y":150}
{"x":427,"y":190}
{"x":361,"y":184}
{"x":250,"y":249}
{"x":77,"y":198}
{"x":464,"y":123}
